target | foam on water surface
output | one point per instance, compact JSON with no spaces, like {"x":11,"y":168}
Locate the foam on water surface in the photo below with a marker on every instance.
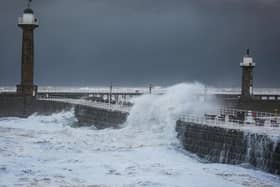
{"x":49,"y":151}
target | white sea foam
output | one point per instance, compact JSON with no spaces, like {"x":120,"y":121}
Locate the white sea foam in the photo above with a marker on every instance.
{"x":48,"y":151}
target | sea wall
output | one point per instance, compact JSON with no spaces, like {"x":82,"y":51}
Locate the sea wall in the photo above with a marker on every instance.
{"x":101,"y":118}
{"x":271,"y":106}
{"x":20,"y":106}
{"x":231,"y":146}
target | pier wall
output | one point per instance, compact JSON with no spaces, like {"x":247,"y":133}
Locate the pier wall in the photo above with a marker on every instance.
{"x":271,"y":106}
{"x":101,"y":118}
{"x":20,"y":106}
{"x":230,"y":146}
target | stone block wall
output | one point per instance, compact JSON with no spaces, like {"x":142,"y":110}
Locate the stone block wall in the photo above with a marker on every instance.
{"x":100,"y":118}
{"x":230,"y":146}
{"x":20,"y":106}
{"x":270,"y":106}
{"x":260,"y":105}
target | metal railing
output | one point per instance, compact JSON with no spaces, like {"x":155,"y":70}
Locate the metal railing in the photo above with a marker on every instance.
{"x":107,"y":106}
{"x":225,"y":120}
{"x":219,"y":122}
{"x":234,"y":111}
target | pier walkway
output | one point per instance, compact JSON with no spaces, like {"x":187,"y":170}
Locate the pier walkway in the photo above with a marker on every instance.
{"x":82,"y":102}
{"x":251,"y":121}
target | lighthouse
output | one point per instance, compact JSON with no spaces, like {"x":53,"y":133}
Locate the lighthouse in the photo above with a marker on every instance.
{"x":28,"y":23}
{"x":247,"y":75}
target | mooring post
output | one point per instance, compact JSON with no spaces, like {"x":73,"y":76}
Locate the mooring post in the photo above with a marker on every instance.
{"x":110,"y":94}
{"x":150,"y":88}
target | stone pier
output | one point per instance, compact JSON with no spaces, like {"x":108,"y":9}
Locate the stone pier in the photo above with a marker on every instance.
{"x":88,"y":113}
{"x":24,"y":106}
{"x":101,"y":115}
{"x":232,"y":145}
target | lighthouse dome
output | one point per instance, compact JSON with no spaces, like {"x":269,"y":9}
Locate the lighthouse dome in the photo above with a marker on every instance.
{"x":28,"y":11}
{"x":28,"y":18}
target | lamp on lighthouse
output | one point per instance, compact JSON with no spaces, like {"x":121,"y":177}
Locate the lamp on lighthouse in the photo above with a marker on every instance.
{"x":28,"y":17}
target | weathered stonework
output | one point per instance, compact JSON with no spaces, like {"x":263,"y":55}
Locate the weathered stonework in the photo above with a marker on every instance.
{"x":253,"y":104}
{"x":231,"y":146}
{"x":24,"y":106}
{"x":100,"y":118}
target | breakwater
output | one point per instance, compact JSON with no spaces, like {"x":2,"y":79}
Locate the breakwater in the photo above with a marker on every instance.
{"x":24,"y":106}
{"x":101,"y":118}
{"x":261,"y":103}
{"x":87,"y":113}
{"x":101,"y":115}
{"x":231,"y":145}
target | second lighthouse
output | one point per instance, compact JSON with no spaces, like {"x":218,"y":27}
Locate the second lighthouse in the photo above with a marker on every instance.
{"x":247,"y":75}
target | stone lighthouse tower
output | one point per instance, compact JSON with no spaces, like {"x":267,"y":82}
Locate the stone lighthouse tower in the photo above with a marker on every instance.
{"x":247,"y":75}
{"x":28,"y":23}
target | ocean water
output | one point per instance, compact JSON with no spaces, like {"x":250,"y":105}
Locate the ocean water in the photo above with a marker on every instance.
{"x":51,"y":151}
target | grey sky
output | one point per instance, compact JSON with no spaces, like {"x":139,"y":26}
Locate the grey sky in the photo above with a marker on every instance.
{"x":137,"y":42}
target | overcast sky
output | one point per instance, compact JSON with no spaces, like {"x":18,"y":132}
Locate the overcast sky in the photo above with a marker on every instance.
{"x":137,"y":42}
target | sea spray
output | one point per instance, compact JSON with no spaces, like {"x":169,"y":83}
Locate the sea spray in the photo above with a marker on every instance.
{"x":262,"y":150}
{"x":40,"y":122}
{"x":157,"y":114}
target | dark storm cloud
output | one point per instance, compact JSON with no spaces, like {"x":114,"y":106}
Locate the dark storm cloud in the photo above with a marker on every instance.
{"x":136,"y":42}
